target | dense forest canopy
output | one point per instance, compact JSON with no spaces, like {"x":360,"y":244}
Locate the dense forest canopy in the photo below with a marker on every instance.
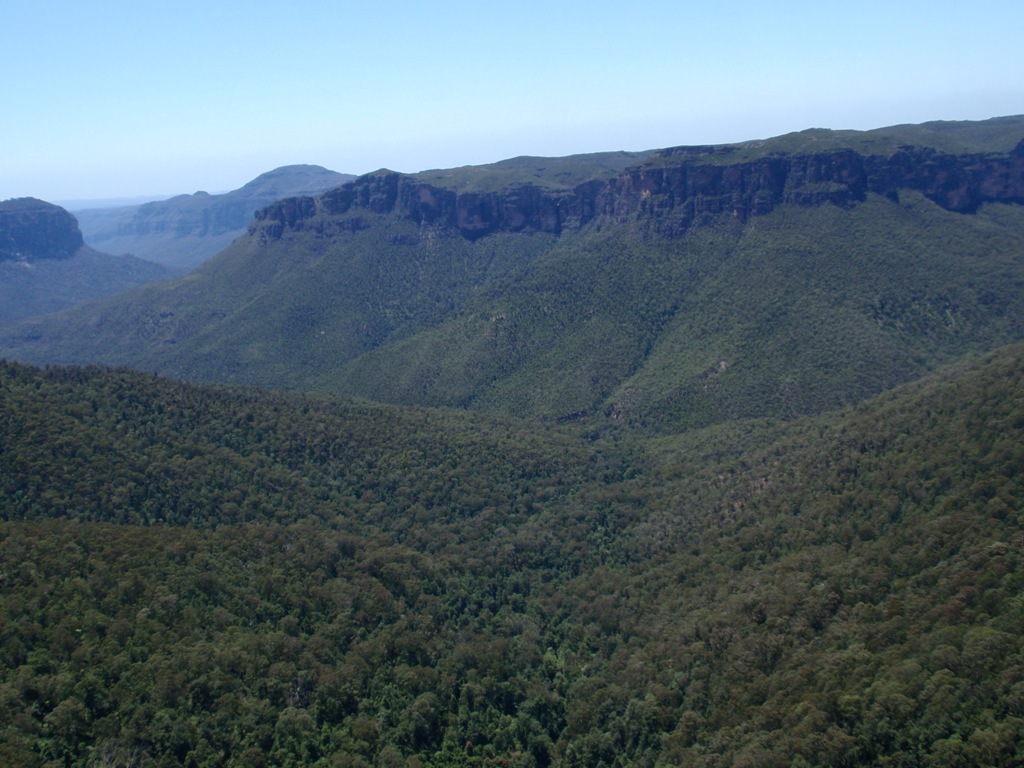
{"x":216,"y":576}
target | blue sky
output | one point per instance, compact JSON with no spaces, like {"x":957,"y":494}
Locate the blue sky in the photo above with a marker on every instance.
{"x":114,"y":99}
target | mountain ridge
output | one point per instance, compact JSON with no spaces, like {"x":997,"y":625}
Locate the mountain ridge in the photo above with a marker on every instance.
{"x":681,"y":193}
{"x":727,"y":474}
{"x":45,"y":266}
{"x":677,"y":292}
{"x":33,"y":229}
{"x":183,"y":231}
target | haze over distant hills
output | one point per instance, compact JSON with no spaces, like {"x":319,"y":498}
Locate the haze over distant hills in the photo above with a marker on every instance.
{"x":46,"y":267}
{"x":669,"y":288}
{"x":185,"y":230}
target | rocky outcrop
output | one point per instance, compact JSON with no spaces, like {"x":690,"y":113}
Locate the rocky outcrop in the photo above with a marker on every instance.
{"x":677,"y":195}
{"x":679,"y":188}
{"x":473,"y":214}
{"x":32,"y":229}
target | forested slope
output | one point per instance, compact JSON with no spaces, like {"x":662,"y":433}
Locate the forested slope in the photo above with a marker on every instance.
{"x":652,"y":291}
{"x":208,"y":576}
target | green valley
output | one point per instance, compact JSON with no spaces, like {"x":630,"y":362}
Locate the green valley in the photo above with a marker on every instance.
{"x":705,"y":456}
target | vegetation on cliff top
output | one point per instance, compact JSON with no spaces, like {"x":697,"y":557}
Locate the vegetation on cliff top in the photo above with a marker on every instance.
{"x":796,"y":311}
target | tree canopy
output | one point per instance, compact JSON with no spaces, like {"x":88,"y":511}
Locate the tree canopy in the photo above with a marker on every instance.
{"x":212,"y":576}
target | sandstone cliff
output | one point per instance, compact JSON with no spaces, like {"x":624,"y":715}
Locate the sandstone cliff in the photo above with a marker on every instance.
{"x":32,"y":229}
{"x":678,"y":188}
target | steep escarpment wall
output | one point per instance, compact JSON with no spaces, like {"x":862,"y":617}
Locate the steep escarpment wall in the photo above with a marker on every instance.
{"x":32,"y":229}
{"x":675,"y":191}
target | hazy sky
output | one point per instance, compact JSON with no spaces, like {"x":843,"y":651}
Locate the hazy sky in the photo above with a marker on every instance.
{"x":110,"y":99}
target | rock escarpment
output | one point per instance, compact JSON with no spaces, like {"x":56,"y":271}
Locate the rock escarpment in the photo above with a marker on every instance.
{"x":32,"y":229}
{"x":679,"y":188}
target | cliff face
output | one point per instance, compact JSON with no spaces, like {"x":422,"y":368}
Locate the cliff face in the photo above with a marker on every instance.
{"x":674,"y":192}
{"x":32,"y":229}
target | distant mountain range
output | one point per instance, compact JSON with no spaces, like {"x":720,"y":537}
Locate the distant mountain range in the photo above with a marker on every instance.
{"x":660,"y":290}
{"x":185,"y":230}
{"x":46,"y":267}
{"x":48,"y":262}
